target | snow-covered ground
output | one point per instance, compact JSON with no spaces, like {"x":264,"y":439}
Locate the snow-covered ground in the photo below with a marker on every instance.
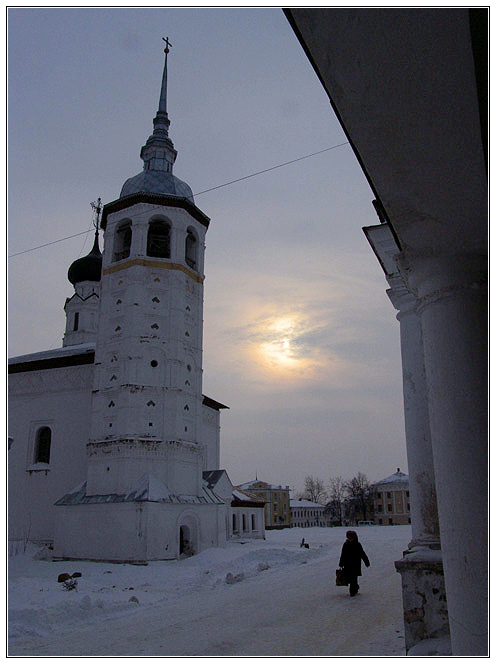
{"x":263,"y":597}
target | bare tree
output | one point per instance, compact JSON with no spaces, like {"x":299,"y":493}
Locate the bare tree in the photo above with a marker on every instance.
{"x":360,"y":494}
{"x":314,"y":490}
{"x":336,"y":494}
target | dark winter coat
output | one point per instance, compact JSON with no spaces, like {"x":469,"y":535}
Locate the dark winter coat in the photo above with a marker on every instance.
{"x":352,"y":554}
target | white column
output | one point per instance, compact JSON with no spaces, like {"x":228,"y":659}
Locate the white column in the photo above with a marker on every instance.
{"x":453,"y":310}
{"x":423,"y":503}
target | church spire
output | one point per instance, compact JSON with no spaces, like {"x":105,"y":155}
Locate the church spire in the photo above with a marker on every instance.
{"x":162,"y":105}
{"x":158,"y":154}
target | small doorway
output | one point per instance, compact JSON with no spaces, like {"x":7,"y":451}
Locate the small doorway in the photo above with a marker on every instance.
{"x":184,"y":541}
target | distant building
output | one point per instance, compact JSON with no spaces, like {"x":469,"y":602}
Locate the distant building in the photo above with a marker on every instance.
{"x":306,"y":514}
{"x":244,"y":511}
{"x":392,"y":500}
{"x":276,"y":497}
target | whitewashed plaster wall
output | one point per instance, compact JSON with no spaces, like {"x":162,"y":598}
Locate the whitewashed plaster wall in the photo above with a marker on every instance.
{"x":141,"y":531}
{"x":60,"y":399}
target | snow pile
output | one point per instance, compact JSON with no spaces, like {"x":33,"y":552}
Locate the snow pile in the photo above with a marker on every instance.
{"x":42,"y":611}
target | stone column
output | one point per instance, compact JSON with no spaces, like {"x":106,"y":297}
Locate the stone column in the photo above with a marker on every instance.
{"x":423,"y":503}
{"x":421,"y":568}
{"x":452,"y":296}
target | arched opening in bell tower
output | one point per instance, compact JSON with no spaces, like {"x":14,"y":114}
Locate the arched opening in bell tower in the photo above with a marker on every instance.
{"x":158,"y":240}
{"x":122,"y":243}
{"x":191,"y":249}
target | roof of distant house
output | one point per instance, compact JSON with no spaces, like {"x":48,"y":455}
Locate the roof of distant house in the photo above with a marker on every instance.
{"x":249,"y":485}
{"x":396,"y":477}
{"x":294,"y":502}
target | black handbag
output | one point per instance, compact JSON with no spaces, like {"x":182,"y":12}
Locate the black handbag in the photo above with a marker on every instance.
{"x":341,"y":579}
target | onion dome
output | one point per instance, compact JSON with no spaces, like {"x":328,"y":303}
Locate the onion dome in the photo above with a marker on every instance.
{"x":158,"y":155}
{"x":88,"y":268}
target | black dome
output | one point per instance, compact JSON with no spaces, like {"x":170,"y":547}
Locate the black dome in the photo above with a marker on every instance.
{"x":88,"y":268}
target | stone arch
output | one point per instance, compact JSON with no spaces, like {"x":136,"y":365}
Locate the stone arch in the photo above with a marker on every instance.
{"x":158,"y":241}
{"x":188,"y":533}
{"x":191,"y":248}
{"x":123,"y":239}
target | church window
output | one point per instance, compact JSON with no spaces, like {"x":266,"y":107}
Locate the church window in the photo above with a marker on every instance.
{"x":188,"y":367}
{"x":186,"y":407}
{"x":154,"y":363}
{"x":123,"y":237}
{"x":190,"y":250}
{"x":76,"y":321}
{"x":111,"y":404}
{"x":155,"y":299}
{"x":150,"y":403}
{"x":154,"y":326}
{"x":158,"y":243}
{"x":43,"y":443}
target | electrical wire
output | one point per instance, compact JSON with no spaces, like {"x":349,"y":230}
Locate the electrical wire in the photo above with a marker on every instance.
{"x":219,"y":186}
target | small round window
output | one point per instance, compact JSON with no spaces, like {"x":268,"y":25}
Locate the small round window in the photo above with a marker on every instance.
{"x":154,"y":363}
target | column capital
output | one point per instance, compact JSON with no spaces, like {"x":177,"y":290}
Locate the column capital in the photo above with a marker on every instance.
{"x":434,"y":278}
{"x":401,"y":298}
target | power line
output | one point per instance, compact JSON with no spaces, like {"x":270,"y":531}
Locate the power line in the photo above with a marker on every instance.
{"x":47,"y":244}
{"x":219,"y":186}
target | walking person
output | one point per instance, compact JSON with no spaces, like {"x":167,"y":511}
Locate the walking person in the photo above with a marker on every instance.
{"x":351,"y":558}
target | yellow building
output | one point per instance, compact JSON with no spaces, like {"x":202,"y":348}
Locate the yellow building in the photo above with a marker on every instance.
{"x":392,"y":500}
{"x":277,"y":513}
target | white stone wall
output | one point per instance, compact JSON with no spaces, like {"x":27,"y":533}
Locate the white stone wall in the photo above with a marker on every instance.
{"x":210,"y":437}
{"x":148,"y":384}
{"x":246,"y":522}
{"x":60,"y":399}
{"x":136,"y":531}
{"x":86,"y":303}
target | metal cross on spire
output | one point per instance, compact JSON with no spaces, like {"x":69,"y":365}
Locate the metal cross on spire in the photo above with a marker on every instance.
{"x":162,"y":107}
{"x":97,"y":208}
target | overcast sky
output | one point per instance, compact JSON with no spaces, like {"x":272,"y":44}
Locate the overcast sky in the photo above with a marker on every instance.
{"x":300,"y":339}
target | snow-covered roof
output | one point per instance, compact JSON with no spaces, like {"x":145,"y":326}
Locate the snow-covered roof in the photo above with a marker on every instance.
{"x":66,"y":351}
{"x":250,"y":485}
{"x":246,"y":496}
{"x":212,"y":477}
{"x":395,"y":478}
{"x":304,"y":503}
{"x":148,"y":489}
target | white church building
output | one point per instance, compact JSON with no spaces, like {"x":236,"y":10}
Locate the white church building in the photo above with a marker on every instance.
{"x":112,"y":444}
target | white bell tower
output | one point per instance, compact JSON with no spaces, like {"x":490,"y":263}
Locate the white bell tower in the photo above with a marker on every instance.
{"x":146,"y":423}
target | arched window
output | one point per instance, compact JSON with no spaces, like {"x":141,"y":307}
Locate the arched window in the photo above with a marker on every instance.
{"x":190,"y":251}
{"x":122,"y":244}
{"x":158,"y":242}
{"x":42,"y":445}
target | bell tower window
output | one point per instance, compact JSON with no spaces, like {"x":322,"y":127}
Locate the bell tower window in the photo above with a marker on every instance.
{"x":123,"y":239}
{"x":42,"y":445}
{"x":76,"y":321}
{"x":190,"y":251}
{"x":158,"y":242}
